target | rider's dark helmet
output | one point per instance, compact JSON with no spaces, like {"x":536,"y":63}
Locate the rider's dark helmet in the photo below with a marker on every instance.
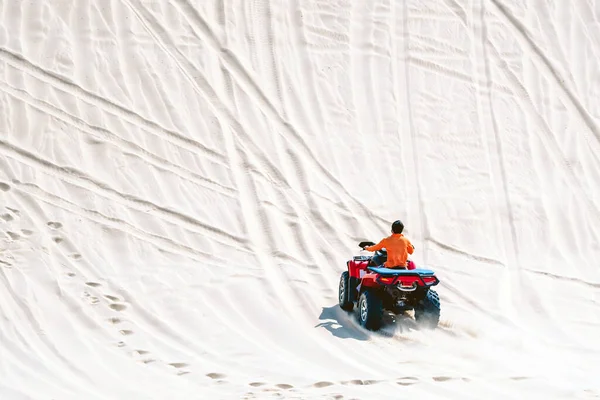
{"x":397,"y":226}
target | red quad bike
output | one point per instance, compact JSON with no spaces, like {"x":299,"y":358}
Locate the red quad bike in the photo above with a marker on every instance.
{"x":373,"y":289}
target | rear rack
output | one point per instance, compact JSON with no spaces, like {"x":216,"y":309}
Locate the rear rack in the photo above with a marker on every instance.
{"x":396,"y":278}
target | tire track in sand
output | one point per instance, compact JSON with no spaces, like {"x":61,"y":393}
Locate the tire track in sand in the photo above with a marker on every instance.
{"x":306,"y":81}
{"x":570,"y":100}
{"x":483,"y":85}
{"x":199,"y":82}
{"x":267,"y":58}
{"x":399,"y":15}
{"x":202,"y":86}
{"x":78,"y":178}
{"x":247,"y":81}
{"x":290,"y":163}
{"x":491,"y":139}
{"x":305,"y":242}
{"x":121,"y":144}
{"x":160,"y":242}
{"x":275,"y":275}
{"x":253,"y":213}
{"x":535,"y":304}
{"x":544,"y":132}
{"x":78,"y":92}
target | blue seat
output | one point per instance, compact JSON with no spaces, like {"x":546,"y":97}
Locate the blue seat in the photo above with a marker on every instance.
{"x":395,"y":272}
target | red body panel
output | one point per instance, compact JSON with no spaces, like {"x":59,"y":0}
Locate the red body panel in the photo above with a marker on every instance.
{"x":370,"y":280}
{"x":354,"y":267}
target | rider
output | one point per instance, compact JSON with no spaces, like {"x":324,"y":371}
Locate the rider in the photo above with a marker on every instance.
{"x":398,"y":247}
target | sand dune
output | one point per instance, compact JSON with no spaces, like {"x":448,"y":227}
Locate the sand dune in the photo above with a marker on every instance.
{"x":182,"y":182}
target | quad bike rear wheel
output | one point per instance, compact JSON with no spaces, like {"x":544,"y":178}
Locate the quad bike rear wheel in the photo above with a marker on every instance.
{"x":344,"y":292}
{"x":427,"y":311}
{"x":370,"y":310}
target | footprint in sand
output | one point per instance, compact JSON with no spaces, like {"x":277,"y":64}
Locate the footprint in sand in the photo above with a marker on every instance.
{"x":87,"y":295}
{"x":441,"y":378}
{"x":114,"y":320}
{"x":90,"y":298}
{"x":407,"y":381}
{"x":4,"y":187}
{"x":360,"y":382}
{"x":13,"y":236}
{"x":111,"y":298}
{"x":257,"y":384}
{"x":26,"y":232}
{"x":93,"y":284}
{"x":322,"y":384}
{"x":216,"y":375}
{"x":54,"y":225}
{"x":7,"y":217}
{"x":57,"y":240}
{"x":118,"y":307}
{"x":178,"y":365}
{"x":143,"y":353}
{"x":75,"y":256}
{"x":126,"y":332}
{"x":93,"y":141}
{"x":284,"y":386}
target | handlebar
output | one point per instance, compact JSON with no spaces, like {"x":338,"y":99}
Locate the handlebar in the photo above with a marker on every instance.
{"x":362,"y":245}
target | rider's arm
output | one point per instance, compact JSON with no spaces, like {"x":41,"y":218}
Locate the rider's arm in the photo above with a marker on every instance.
{"x":410,"y":248}
{"x":376,"y":247}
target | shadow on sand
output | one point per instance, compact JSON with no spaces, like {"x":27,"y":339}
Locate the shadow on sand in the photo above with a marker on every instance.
{"x":343,"y":324}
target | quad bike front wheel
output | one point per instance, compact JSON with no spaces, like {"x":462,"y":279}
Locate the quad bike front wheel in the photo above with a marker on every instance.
{"x":370,"y":310}
{"x":344,"y":292}
{"x":427,"y":312}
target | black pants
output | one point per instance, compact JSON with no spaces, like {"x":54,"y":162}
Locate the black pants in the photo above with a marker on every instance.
{"x":378,"y":260}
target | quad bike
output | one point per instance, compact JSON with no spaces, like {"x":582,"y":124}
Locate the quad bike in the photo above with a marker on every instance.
{"x":372,"y":289}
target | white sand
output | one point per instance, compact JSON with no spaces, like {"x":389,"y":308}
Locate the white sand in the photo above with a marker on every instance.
{"x":182,"y":182}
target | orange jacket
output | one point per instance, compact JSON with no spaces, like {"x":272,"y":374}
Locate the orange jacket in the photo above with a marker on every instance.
{"x":398,"y":248}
